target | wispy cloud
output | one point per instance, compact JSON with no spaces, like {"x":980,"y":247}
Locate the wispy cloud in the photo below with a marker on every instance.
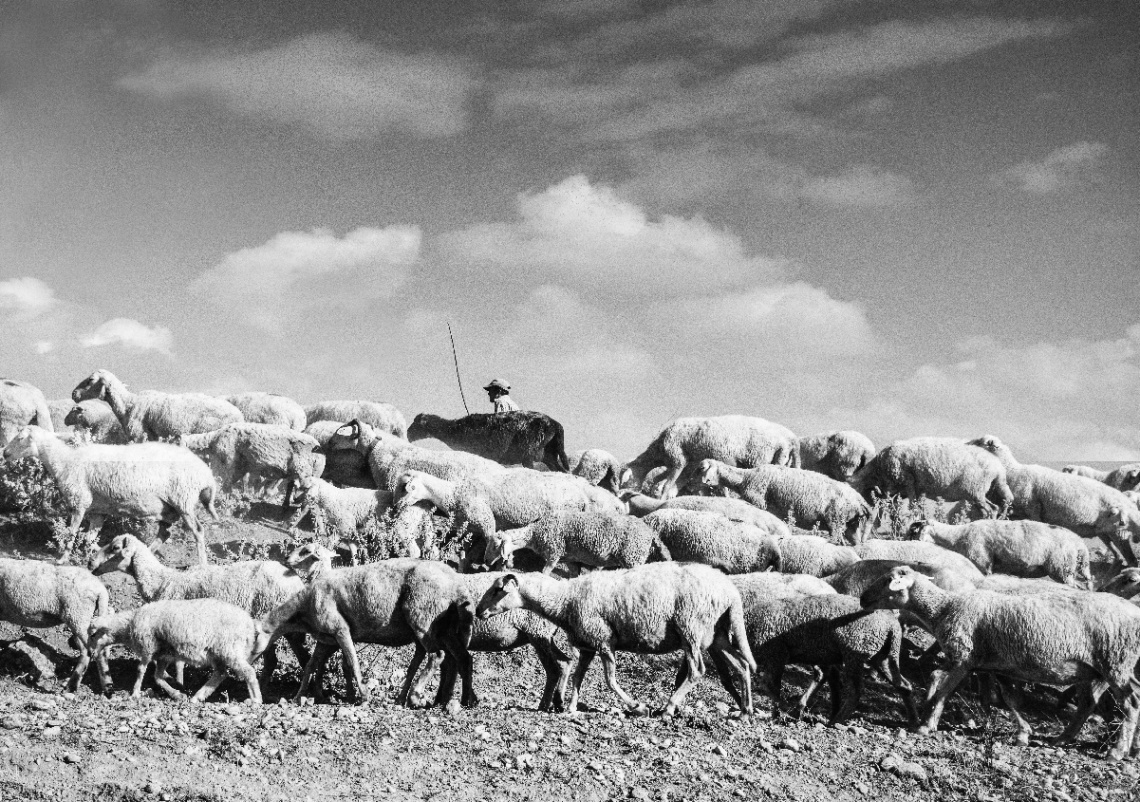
{"x":1064,"y":168}
{"x":334,"y":85}
{"x":27,"y":297}
{"x":859,"y":186}
{"x":269,"y":284}
{"x":131,"y":334}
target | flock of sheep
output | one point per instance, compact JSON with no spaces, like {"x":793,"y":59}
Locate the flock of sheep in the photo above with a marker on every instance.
{"x":729,"y":538}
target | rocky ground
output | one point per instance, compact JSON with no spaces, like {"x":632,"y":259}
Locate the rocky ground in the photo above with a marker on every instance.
{"x":83,"y":746}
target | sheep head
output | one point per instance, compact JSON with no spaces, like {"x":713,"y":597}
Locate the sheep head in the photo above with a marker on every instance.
{"x":1126,"y":584}
{"x":498,"y":551}
{"x":920,"y":530}
{"x":24,"y":444}
{"x":503,"y":595}
{"x":423,"y":425}
{"x":891,"y":591}
{"x":709,"y":471}
{"x":308,"y":558}
{"x":115,"y":556}
{"x":94,"y":386}
{"x":75,"y":417}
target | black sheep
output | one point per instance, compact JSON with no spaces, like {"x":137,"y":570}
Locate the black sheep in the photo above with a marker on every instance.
{"x":506,"y":437}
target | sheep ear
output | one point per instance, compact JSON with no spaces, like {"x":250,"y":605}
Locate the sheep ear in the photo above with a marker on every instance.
{"x":901,"y":583}
{"x":510,"y":583}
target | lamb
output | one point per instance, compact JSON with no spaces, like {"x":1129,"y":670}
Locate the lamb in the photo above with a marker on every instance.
{"x":807,"y":497}
{"x":346,"y":509}
{"x":655,"y":608}
{"x":344,"y":466}
{"x":1092,"y":639}
{"x":827,"y":631}
{"x":21,"y":404}
{"x":1125,"y":584}
{"x":37,"y":594}
{"x":98,"y":420}
{"x":196,"y":632}
{"x":257,"y":586}
{"x":510,"y":438}
{"x":507,"y":632}
{"x":733,"y":439}
{"x":270,"y":408}
{"x":266,"y":451}
{"x":857,"y":577}
{"x":838,"y":455}
{"x":391,"y":602}
{"x":1021,"y":548}
{"x":813,"y":555}
{"x":143,"y":480}
{"x":778,"y":584}
{"x":154,"y":415}
{"x":599,"y":468}
{"x":1126,"y":477}
{"x":914,"y":551}
{"x":389,"y":457}
{"x":937,"y":467}
{"x":732,"y":508}
{"x":581,"y":538}
{"x":377,"y":414}
{"x":1082,"y":505}
{"x":712,"y":539}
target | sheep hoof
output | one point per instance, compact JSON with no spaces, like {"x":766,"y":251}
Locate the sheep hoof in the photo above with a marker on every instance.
{"x":640,"y":709}
{"x":925,"y":730}
{"x":1115,"y":754}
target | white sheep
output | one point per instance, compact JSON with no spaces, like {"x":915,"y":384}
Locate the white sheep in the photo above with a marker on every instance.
{"x":937,"y":467}
{"x":21,"y":404}
{"x":781,"y":584}
{"x":1126,"y":584}
{"x":838,"y":455}
{"x":1125,"y":477}
{"x":733,"y":439}
{"x":655,"y":608}
{"x":593,"y":539}
{"x":712,"y":539}
{"x":1021,"y":548}
{"x":377,"y":414}
{"x":141,"y":480}
{"x":732,"y":508}
{"x":598,"y":467}
{"x":1089,"y":639}
{"x":269,"y":408}
{"x":198,"y":632}
{"x":1085,"y":506}
{"x":857,"y":577}
{"x":813,"y":555}
{"x":807,"y":497}
{"x":257,"y":586}
{"x":37,"y":594}
{"x":344,"y":465}
{"x":346,"y":510}
{"x":918,"y":552}
{"x":98,"y":420}
{"x":154,"y":415}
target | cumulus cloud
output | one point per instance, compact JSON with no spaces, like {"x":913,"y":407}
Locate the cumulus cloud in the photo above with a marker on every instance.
{"x":1064,"y":168}
{"x":586,"y":235}
{"x":130,"y":334}
{"x":269,"y":284}
{"x":24,"y":298}
{"x":332,"y":84}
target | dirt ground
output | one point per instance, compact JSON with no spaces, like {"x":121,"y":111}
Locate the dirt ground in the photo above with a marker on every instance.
{"x":58,"y":746}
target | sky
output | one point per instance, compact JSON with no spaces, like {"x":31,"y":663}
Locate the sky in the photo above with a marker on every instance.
{"x":906,"y":218}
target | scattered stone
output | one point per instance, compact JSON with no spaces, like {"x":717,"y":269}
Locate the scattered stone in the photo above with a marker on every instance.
{"x":453,"y":708}
{"x":637,"y":792}
{"x":720,"y":750}
{"x":791,"y":744}
{"x":70,"y":757}
{"x":14,"y":721}
{"x":904,"y":768}
{"x":42,"y":705}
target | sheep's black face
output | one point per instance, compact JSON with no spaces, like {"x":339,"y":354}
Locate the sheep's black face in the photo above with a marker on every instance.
{"x":115,"y":556}
{"x":503,"y":595}
{"x":889,"y":592}
{"x":916,"y":530}
{"x":90,"y":388}
{"x":419,"y":428}
{"x":74,"y":416}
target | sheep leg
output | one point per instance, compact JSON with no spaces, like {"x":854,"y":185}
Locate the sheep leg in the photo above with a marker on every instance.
{"x":1011,"y":696}
{"x":722,"y":664}
{"x":140,"y":673}
{"x":315,"y":666}
{"x":199,"y":536}
{"x":160,"y":680}
{"x":554,"y":675}
{"x":850,"y":689}
{"x":733,"y":659}
{"x":410,"y":675}
{"x":216,"y":678}
{"x":690,"y":673}
{"x":447,"y":677}
{"x":667,"y":486}
{"x":1089,"y":696}
{"x":810,"y":692}
{"x":609,"y":666}
{"x":890,"y":667}
{"x":585,"y":657}
{"x":1128,"y":701}
{"x":941,"y":687}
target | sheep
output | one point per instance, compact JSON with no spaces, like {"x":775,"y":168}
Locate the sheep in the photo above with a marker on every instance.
{"x":733,"y":508}
{"x":346,"y":509}
{"x":1091,"y":639}
{"x":270,"y":408}
{"x":915,"y":551}
{"x":655,"y":608}
{"x":813,"y":555}
{"x":581,"y":538}
{"x":712,"y":539}
{"x":377,"y":414}
{"x":1126,"y":584}
{"x":390,"y":457}
{"x":98,"y":420}
{"x":154,"y":415}
{"x":21,"y":404}
{"x":733,"y":439}
{"x":344,"y":466}
{"x":599,"y":468}
{"x":779,"y":584}
{"x":1085,"y":506}
{"x":257,"y":586}
{"x":825,"y":631}
{"x":145,"y":480}
{"x":507,"y":632}
{"x":391,"y":602}
{"x":937,"y":467}
{"x":196,"y":632}
{"x":1021,"y":548}
{"x":267,"y":451}
{"x":510,"y":438}
{"x":1126,"y":477}
{"x":838,"y":455}
{"x":857,"y":577}
{"x":37,"y":594}
{"x":807,"y":497}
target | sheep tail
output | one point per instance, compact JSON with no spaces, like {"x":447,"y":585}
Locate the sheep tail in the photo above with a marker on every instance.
{"x":659,"y":552}
{"x":207,"y":496}
{"x":740,"y":633}
{"x":794,"y":455}
{"x":556,"y":451}
{"x":103,"y":603}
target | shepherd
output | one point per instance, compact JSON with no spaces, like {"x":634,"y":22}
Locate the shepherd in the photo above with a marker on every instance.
{"x":498,"y":391}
